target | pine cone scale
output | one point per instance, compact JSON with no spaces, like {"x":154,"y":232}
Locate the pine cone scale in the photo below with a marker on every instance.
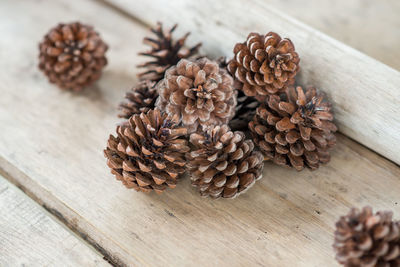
{"x":165,"y":53}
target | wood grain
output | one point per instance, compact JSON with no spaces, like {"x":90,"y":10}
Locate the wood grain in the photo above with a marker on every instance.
{"x":365,"y":92}
{"x":51,"y":146}
{"x":30,"y":237}
{"x":370,"y":26}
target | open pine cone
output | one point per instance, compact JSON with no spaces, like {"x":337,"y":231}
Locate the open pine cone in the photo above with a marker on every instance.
{"x":148,"y":152}
{"x":264,"y":64}
{"x":165,"y":53}
{"x":295,"y":129}
{"x":199,"y":92}
{"x":72,"y":56}
{"x":365,"y":239}
{"x":223,"y":163}
{"x":139,"y":99}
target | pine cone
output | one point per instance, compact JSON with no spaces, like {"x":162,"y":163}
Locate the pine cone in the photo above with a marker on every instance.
{"x":244,"y":112}
{"x":199,"y":92}
{"x":165,"y":51}
{"x":264,"y":64}
{"x":367,"y":239}
{"x":139,"y":99}
{"x":246,"y":105}
{"x":223,"y":163}
{"x":295,"y":128}
{"x":72,"y":56}
{"x":222,"y":62}
{"x":148,"y":153}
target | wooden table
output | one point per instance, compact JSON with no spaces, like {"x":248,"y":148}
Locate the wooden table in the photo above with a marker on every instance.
{"x":59,"y":205}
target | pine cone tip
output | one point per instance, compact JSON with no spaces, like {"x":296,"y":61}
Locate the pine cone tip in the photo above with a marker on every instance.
{"x":165,"y":52}
{"x":139,"y":99}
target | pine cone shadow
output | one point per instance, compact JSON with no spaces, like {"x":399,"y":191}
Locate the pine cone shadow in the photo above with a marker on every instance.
{"x":261,"y":206}
{"x":93,"y":93}
{"x":111,"y":87}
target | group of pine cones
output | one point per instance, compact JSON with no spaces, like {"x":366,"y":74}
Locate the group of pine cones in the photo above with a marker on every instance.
{"x":217,"y":119}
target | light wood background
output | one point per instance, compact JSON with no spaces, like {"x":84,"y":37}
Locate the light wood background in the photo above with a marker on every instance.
{"x":51,"y":147}
{"x":29,"y":236}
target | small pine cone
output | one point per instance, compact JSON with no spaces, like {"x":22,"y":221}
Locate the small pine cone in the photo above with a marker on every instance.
{"x":139,"y":99}
{"x":148,"y":152}
{"x":223,"y":163}
{"x":295,"y":128}
{"x":264,"y":64}
{"x":245,"y":111}
{"x":199,"y":92}
{"x":72,"y":56}
{"x":165,"y":53}
{"x":366,"y":239}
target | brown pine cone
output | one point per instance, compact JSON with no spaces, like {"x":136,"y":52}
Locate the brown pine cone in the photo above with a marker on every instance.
{"x":295,"y":129}
{"x":244,"y":112}
{"x":165,"y":53}
{"x":366,"y":239}
{"x":148,"y":152}
{"x":264,"y":64}
{"x":223,"y":163}
{"x":199,"y":92}
{"x":246,"y":105}
{"x":72,"y":56}
{"x":139,"y":99}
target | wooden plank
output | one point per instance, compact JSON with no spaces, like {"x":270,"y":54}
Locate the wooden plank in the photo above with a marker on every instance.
{"x":30,"y":237}
{"x":366,"y":25}
{"x":51,"y":146}
{"x":365,"y":92}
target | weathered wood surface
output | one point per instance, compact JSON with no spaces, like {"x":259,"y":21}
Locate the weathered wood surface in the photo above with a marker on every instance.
{"x":30,"y":237}
{"x":365,"y":92}
{"x":372,"y":27}
{"x":51,"y":146}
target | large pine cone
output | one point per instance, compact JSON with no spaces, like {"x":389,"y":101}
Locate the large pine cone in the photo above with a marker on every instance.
{"x":139,"y":99}
{"x":165,"y":53}
{"x":264,"y":64}
{"x":199,"y":92}
{"x":366,"y":239}
{"x":223,"y":163}
{"x":148,"y":152}
{"x":295,"y":129}
{"x":72,"y":56}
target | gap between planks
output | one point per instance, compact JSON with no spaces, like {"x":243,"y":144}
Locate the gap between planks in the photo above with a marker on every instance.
{"x":31,"y":236}
{"x":41,"y":196}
